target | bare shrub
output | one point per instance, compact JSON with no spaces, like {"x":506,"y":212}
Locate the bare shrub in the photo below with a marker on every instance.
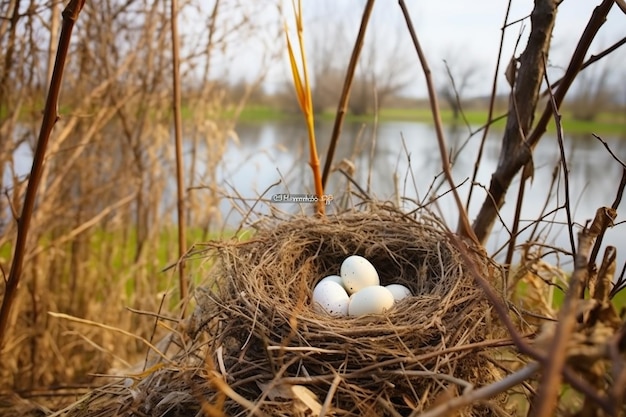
{"x":99,"y":235}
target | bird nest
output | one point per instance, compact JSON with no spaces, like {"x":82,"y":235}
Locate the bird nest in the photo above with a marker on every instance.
{"x":256,"y":346}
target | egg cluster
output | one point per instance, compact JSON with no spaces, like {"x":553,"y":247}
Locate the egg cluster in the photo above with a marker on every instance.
{"x":357,"y":291}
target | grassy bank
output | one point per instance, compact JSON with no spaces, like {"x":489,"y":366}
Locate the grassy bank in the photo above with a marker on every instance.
{"x":613,"y":124}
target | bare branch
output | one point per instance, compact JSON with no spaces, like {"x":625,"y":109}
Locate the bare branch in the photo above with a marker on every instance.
{"x":550,"y":383}
{"x":563,"y":160}
{"x":345,"y":91}
{"x":606,"y":145}
{"x":50,"y":116}
{"x":464,"y":224}
{"x":516,"y":151}
{"x":482,"y":393}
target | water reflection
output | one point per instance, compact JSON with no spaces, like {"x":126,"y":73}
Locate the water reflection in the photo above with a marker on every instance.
{"x":402,"y":159}
{"x":277,"y":151}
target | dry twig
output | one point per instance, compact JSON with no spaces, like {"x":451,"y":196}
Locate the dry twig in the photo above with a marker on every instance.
{"x":50,"y":117}
{"x":178,"y":140}
{"x":550,"y":383}
{"x":345,"y":91}
{"x":482,"y":393}
{"x":492,"y":102}
{"x":464,"y":223}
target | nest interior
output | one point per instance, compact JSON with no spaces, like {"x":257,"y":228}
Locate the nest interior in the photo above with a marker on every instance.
{"x":263,"y":330}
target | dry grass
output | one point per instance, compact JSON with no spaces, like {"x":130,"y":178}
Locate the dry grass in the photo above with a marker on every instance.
{"x":254,"y":345}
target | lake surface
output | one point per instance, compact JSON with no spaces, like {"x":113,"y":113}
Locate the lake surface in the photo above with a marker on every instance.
{"x":402,"y":159}
{"x":405,"y":160}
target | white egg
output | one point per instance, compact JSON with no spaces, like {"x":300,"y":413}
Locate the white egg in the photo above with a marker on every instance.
{"x":330,"y":297}
{"x":370,"y":300}
{"x":358,"y":273}
{"x":399,"y":291}
{"x":333,"y":278}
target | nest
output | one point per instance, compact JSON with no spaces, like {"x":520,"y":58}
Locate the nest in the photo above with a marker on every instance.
{"x":255,"y":345}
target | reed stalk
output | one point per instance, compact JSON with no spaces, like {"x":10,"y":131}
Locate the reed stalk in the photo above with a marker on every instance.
{"x":303,"y":92}
{"x":178,"y":138}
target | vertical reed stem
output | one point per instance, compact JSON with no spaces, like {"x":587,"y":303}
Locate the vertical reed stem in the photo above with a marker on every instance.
{"x":178,"y":138}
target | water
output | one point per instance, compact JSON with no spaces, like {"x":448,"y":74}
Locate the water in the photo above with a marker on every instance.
{"x":406,"y":159}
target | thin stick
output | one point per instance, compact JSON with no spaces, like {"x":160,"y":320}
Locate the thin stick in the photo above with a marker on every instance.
{"x":222,"y":386}
{"x":464,"y":225}
{"x":598,"y":17}
{"x":345,"y":92}
{"x":178,"y":138}
{"x":608,"y":148}
{"x":591,"y":60}
{"x":154,"y":329}
{"x":526,"y":173}
{"x":559,"y":135}
{"x":483,"y":393}
{"x":111,"y":328}
{"x":50,"y":117}
{"x":330,"y":395}
{"x":510,"y":252}
{"x":550,"y":383}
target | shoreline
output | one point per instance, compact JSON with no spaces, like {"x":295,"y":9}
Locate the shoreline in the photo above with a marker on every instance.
{"x":607,"y":123}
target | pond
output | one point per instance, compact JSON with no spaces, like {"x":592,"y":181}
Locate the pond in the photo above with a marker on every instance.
{"x":403,"y":158}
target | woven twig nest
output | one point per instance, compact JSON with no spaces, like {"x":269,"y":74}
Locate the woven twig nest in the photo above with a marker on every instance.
{"x":255,"y":345}
{"x":265,"y":337}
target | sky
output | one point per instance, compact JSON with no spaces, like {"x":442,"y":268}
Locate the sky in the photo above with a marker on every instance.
{"x":464,"y":33}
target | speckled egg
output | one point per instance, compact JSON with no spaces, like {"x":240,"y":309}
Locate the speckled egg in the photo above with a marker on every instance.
{"x":358,"y":273}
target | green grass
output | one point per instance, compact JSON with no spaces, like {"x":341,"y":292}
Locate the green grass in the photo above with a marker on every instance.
{"x":613,"y":124}
{"x":256,"y":113}
{"x":606,"y":124}
{"x":619,"y":301}
{"x":112,"y":256}
{"x":474,"y":117}
{"x":558,"y":296}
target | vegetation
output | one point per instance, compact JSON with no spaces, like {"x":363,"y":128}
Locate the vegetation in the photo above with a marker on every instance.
{"x":104,"y":213}
{"x":607,"y":123}
{"x":100,"y":213}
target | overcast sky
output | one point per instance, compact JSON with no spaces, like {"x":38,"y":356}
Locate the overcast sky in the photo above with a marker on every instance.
{"x":462,"y":32}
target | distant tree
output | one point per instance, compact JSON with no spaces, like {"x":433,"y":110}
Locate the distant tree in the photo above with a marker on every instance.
{"x":593,"y":93}
{"x":461,"y":73}
{"x":382,"y":71}
{"x":243,"y":90}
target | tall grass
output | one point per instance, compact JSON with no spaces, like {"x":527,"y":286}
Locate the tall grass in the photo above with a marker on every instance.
{"x":103,"y":233}
{"x":102,"y":238}
{"x":303,"y":93}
